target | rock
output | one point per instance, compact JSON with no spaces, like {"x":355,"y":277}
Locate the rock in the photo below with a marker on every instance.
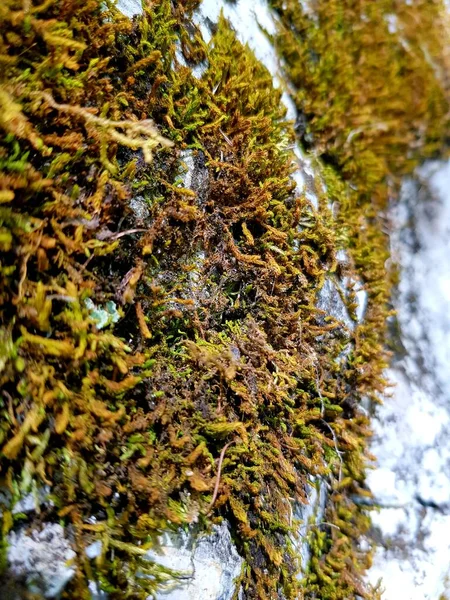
{"x":138,"y":206}
{"x":209,"y":565}
{"x":28,"y":503}
{"x":411,"y":483}
{"x":41,"y":559}
{"x":130,"y":7}
{"x":195,"y":174}
{"x":330,"y":300}
{"x":310,"y":514}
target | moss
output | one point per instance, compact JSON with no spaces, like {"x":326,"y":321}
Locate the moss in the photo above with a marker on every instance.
{"x":372,"y":101}
{"x":175,"y":367}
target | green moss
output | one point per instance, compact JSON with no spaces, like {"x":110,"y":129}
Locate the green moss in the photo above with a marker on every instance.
{"x":373,"y":103}
{"x":141,"y":359}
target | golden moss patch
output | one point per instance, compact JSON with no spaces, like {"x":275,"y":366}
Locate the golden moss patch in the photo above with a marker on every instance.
{"x":163,"y":359}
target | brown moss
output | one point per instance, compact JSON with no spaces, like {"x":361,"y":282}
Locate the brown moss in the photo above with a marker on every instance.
{"x":135,"y":349}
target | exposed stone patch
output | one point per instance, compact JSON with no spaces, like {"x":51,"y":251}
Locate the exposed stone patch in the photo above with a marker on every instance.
{"x":210,"y":565}
{"x":411,"y":483}
{"x":139,"y":207}
{"x":311,"y":515}
{"x":331,"y":301}
{"x":195,"y":174}
{"x":41,"y":559}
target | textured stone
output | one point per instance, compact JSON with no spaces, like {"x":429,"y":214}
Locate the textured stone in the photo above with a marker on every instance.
{"x":41,"y":559}
{"x":310,"y":514}
{"x":195,"y":174}
{"x":208,"y":565}
{"x":411,"y":483}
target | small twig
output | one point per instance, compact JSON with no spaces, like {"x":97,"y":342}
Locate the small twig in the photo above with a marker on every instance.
{"x":116,"y":236}
{"x":226,"y":138}
{"x":10,"y":408}
{"x":219,"y":469}
{"x":86,"y":263}
{"x":289,"y":501}
{"x":61,"y":297}
{"x":322,"y":405}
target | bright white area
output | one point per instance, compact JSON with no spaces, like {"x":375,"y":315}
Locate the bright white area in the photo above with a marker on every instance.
{"x":129,"y":7}
{"x":412,"y":432}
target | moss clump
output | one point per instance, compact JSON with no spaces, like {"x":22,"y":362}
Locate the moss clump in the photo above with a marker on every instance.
{"x":168,"y":364}
{"x":372,"y":85}
{"x":371,"y":89}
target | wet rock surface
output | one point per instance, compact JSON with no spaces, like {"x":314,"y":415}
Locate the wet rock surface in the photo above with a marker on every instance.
{"x":311,"y":515}
{"x":209,"y":565}
{"x":331,"y":301}
{"x":195,"y":174}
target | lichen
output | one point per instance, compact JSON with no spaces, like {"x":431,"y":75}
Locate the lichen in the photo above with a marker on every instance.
{"x":221,"y":389}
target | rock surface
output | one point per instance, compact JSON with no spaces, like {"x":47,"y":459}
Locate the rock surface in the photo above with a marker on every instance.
{"x":412,"y":432}
{"x":41,"y":559}
{"x":210,"y":565}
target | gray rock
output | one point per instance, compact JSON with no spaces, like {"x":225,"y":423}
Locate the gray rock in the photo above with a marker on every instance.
{"x":311,"y":515}
{"x":330,"y":300}
{"x":130,"y":7}
{"x":195,"y":174}
{"x":411,"y":440}
{"x":41,"y":559}
{"x":28,"y":503}
{"x":139,"y":207}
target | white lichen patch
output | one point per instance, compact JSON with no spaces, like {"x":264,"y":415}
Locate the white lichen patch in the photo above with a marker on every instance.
{"x":103,"y":316}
